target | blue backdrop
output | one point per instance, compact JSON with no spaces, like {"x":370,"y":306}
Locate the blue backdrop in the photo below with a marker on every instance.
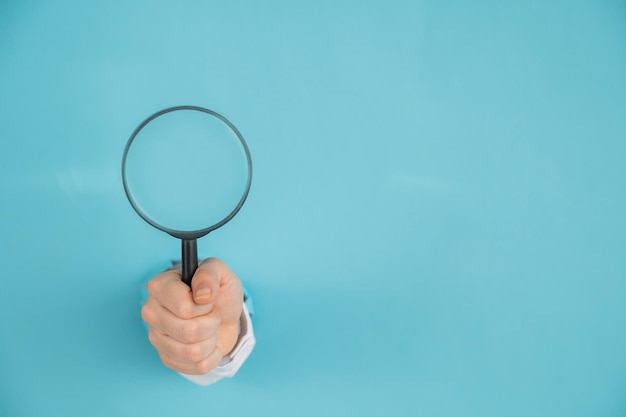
{"x":436,"y":224}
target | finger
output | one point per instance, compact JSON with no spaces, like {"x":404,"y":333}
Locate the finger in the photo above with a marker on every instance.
{"x":169,"y":290}
{"x":191,"y":330}
{"x":182,"y":352}
{"x":198,"y":368}
{"x":207,"y":280}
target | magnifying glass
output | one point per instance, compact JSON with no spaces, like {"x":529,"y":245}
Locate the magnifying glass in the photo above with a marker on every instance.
{"x":186,"y":171}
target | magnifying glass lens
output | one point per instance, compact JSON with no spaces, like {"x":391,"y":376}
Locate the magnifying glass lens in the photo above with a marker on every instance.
{"x":186,"y":170}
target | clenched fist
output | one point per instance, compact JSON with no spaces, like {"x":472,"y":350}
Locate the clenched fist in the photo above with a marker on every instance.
{"x":194,"y":328}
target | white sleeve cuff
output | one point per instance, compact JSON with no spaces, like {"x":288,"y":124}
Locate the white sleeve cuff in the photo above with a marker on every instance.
{"x":231,"y":363}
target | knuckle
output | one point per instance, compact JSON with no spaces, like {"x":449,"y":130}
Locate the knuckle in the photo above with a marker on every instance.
{"x":190,"y":331}
{"x":184,"y":310}
{"x":167,"y":361}
{"x":201,"y":369}
{"x":211,"y":260}
{"x":151,"y":286}
{"x":146,"y":314}
{"x":193,"y":353}
{"x":212,"y":342}
{"x":217,"y":262}
{"x":152,"y":337}
{"x":205,"y":366}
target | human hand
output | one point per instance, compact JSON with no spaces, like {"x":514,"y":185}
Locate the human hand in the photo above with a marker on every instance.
{"x":192,"y":329}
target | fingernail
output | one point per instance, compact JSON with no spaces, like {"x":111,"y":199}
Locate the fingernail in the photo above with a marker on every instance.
{"x":202,"y":293}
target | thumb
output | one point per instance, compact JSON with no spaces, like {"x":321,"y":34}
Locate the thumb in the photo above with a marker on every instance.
{"x":205,"y":284}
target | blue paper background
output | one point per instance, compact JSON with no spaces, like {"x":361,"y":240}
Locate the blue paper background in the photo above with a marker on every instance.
{"x":436,"y":225}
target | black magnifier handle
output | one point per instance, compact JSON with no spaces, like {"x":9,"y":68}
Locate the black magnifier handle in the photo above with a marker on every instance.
{"x":190,"y":259}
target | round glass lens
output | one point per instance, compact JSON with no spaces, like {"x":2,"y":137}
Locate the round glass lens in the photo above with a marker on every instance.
{"x":187,"y":170}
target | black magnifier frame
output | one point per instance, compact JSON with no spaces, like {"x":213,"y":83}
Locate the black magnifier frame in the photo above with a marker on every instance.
{"x":188,"y":238}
